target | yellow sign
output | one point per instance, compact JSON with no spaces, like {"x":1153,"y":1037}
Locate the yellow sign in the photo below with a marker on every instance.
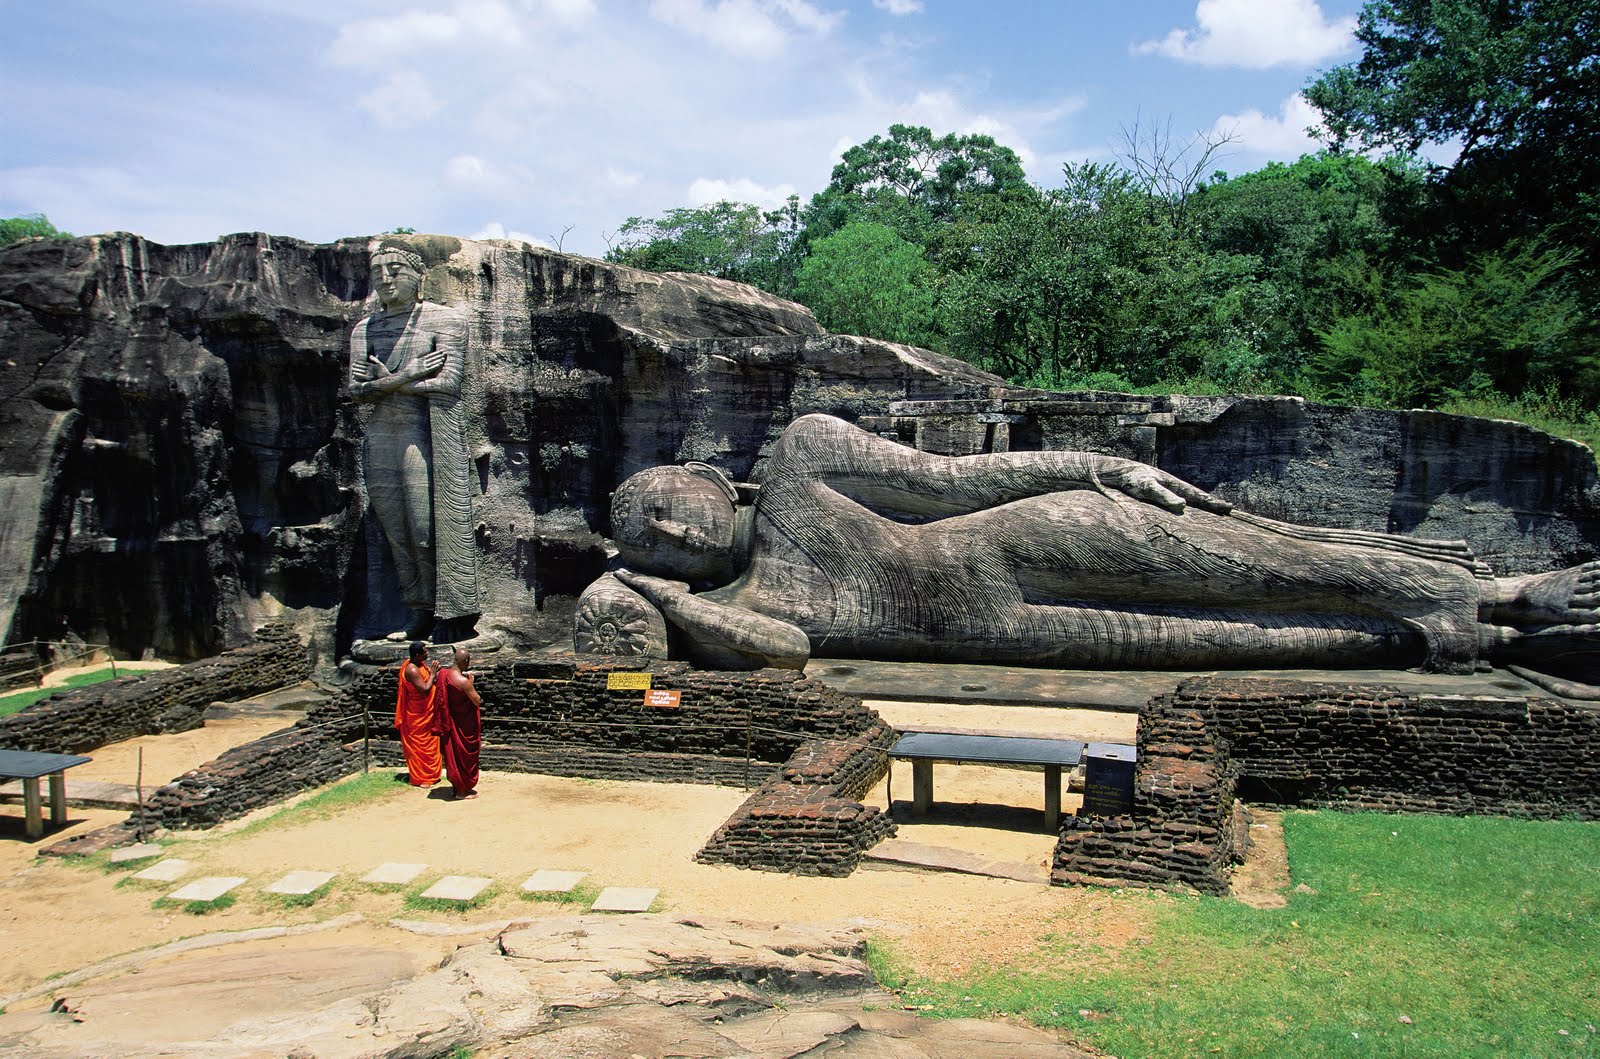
{"x":628,"y":681}
{"x":663,"y":698}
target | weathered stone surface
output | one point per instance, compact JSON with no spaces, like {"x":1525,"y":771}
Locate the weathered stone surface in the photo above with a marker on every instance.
{"x":575,"y":986}
{"x":179,"y":458}
{"x":180,"y":455}
{"x":854,"y":545}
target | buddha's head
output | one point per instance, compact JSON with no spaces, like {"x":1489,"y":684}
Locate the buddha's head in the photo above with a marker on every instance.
{"x":397,"y":275}
{"x":677,"y":522}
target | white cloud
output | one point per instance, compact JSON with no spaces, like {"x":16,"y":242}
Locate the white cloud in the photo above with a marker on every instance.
{"x":899,"y":7}
{"x":370,"y":41}
{"x":746,"y":28}
{"x":619,"y":179}
{"x":375,"y":42}
{"x":704,"y":192}
{"x":470,"y":173}
{"x":496,"y":230}
{"x":404,"y":97}
{"x":1255,"y":34}
{"x":569,"y":12}
{"x":1281,"y":136}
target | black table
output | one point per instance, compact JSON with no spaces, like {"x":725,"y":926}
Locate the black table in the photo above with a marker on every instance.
{"x":922,"y":749}
{"x":28,"y":766}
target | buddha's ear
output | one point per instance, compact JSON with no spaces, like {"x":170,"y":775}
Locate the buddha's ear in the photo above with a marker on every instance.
{"x":715,"y":477}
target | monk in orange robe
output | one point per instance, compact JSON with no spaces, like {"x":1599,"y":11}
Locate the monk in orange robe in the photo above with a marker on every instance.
{"x":414,"y":711}
{"x":460,"y":725}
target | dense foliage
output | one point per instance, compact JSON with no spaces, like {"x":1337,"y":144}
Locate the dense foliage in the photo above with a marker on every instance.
{"x":28,"y":226}
{"x":1339,"y":277}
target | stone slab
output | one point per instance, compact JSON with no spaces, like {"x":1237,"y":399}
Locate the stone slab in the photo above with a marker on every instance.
{"x":208,"y":889}
{"x":142,"y":851}
{"x":392,"y":873}
{"x":299,"y":883}
{"x":164,"y":871}
{"x":1118,"y":691}
{"x":624,"y":899}
{"x":457,"y":888}
{"x":548,"y":881}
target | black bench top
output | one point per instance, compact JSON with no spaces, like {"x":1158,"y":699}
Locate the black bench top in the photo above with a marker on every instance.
{"x":30,"y":764}
{"x":998,"y":749}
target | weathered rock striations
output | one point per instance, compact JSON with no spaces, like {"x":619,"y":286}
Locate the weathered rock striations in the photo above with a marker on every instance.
{"x":179,"y":454}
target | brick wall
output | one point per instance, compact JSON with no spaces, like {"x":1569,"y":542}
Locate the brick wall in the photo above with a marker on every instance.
{"x":1181,"y":833}
{"x":809,"y":819}
{"x":168,"y":700}
{"x":1348,"y":746}
{"x":1370,"y":746}
{"x":813,"y":751}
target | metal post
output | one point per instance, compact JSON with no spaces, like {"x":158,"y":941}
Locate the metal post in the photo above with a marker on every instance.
{"x":138,"y":793}
{"x":366,"y":739}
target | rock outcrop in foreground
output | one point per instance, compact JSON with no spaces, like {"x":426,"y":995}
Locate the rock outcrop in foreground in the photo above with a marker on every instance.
{"x":584,"y":985}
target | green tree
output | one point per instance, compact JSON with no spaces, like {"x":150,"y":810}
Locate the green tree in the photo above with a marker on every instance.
{"x":913,"y":182}
{"x":28,"y":226}
{"x":1302,"y":239}
{"x":865,"y":279}
{"x":1514,"y":83}
{"x":732,"y":240}
{"x":1502,"y":325}
{"x":1034,"y":277}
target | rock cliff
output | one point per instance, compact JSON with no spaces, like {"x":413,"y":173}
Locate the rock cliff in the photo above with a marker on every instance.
{"x":179,"y":456}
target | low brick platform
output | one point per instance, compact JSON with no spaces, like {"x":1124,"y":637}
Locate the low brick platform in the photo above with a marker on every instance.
{"x":1329,"y":744}
{"x":165,"y":700}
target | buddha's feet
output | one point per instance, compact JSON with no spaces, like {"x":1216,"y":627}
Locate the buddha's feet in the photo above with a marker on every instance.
{"x":1569,"y":597}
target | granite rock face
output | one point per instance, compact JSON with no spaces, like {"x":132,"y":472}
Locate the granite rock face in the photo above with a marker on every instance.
{"x":179,"y":454}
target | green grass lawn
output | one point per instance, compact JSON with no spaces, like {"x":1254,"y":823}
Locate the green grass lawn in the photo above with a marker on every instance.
{"x":17,"y":701}
{"x":1418,"y":936}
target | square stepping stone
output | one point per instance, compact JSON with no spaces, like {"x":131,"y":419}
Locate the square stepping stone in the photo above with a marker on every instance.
{"x":208,"y":889}
{"x":163,"y":871}
{"x":624,"y":899}
{"x":142,"y":851}
{"x":393,"y":874}
{"x":456,"y":888}
{"x":299,"y":883}
{"x":546,"y":881}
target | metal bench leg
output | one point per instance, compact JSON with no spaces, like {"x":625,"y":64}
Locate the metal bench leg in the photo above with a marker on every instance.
{"x":921,"y":786}
{"x":1052,"y":796}
{"x":32,"y":816}
{"x":58,"y":798}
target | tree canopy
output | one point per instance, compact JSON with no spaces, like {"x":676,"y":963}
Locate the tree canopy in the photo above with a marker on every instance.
{"x":1339,"y":276}
{"x":28,"y":226}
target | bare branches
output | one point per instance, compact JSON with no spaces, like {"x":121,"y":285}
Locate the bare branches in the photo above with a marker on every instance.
{"x":1167,"y":170}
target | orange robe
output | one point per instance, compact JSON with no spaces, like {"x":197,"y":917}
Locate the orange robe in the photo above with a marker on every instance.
{"x":419,"y":734}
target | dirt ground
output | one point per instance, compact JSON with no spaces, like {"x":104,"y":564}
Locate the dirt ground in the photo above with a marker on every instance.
{"x":58,"y":916}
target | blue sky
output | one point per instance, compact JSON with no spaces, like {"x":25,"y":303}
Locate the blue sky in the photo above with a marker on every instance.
{"x":182,"y":120}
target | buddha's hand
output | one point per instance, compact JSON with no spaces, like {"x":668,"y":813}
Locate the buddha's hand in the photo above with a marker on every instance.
{"x":1155,"y":486}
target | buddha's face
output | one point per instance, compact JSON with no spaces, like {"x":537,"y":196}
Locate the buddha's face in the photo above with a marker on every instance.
{"x":395,"y":280}
{"x":672,"y":523}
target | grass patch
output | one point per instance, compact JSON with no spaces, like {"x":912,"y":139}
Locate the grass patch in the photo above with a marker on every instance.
{"x":290,"y":901}
{"x":359,"y":790}
{"x":582,"y":894}
{"x":17,"y":701}
{"x":196,"y":908}
{"x":1421,"y":936}
{"x":415,"y":902}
